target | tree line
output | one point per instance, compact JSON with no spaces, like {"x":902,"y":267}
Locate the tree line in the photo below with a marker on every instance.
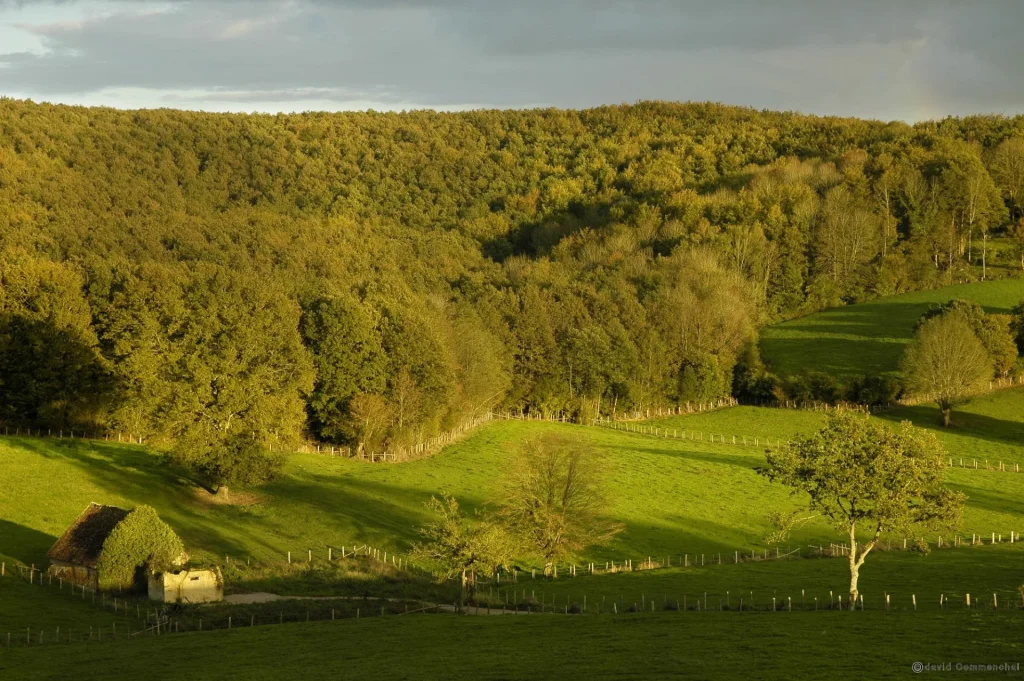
{"x":227,"y":284}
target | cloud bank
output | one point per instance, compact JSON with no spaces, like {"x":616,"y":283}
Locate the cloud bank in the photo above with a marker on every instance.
{"x":908,"y":59}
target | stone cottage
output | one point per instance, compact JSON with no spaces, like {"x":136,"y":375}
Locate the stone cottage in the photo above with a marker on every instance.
{"x":75,"y":556}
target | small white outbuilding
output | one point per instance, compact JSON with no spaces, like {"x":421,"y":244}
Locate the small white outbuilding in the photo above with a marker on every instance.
{"x":187,"y":586}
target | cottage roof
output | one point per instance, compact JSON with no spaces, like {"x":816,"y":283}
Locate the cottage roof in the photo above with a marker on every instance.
{"x":82,"y":543}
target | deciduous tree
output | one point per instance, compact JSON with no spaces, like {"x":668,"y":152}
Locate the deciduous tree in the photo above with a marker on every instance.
{"x":453,"y":545}
{"x":554,"y":498}
{"x":868,"y":479}
{"x":946,"y":362}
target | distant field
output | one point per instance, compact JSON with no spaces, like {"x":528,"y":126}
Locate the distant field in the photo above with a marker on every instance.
{"x":988,"y":428}
{"x":869,"y":338}
{"x":768,"y":646}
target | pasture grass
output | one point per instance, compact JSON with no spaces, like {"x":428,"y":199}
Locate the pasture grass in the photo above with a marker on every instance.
{"x":869,"y":338}
{"x":762,"y":645}
{"x":980,"y":570}
{"x":46,"y":607}
{"x":673,"y":496}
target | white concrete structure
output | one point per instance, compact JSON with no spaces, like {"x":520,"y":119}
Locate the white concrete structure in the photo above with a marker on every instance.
{"x":187,"y":586}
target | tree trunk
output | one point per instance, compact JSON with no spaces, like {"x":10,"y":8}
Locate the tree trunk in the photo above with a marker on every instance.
{"x":549,"y":567}
{"x":222,"y":493}
{"x":854,"y":567}
{"x":462,"y":590}
{"x":984,"y":257}
{"x":946,"y":413}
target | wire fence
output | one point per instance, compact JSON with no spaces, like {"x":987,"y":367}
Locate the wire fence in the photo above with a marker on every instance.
{"x":392,"y":453}
{"x":512,"y":599}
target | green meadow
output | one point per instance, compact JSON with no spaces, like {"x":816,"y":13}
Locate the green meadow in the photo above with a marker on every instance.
{"x":869,"y":338}
{"x":673,"y":495}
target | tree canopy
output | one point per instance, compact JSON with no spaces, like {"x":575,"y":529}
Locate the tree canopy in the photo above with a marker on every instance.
{"x":190,"y":276}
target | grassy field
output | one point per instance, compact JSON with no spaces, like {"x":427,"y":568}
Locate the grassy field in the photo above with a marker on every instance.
{"x":765,"y":645}
{"x":988,"y":428}
{"x":674,"y":496}
{"x":952,"y":573}
{"x":869,"y":338}
{"x":47,"y":607}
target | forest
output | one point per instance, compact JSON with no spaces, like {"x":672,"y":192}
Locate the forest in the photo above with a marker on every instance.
{"x":223,"y":282}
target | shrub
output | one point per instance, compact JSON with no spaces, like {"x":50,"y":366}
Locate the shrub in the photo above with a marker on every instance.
{"x":141,"y":540}
{"x":701,"y":380}
{"x":875,"y":390}
{"x":813,"y":386}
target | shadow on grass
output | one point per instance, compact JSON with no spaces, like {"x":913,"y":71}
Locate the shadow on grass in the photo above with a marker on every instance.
{"x":24,"y":544}
{"x":282,"y":520}
{"x":965,"y":424}
{"x":749,"y":459}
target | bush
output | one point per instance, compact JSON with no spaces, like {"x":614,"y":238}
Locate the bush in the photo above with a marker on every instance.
{"x":701,"y":380}
{"x":238,"y":460}
{"x":751,"y":382}
{"x":875,"y":390}
{"x":140,"y":541}
{"x":813,"y":386}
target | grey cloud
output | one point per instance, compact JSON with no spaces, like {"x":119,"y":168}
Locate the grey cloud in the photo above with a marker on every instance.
{"x":867,"y":58}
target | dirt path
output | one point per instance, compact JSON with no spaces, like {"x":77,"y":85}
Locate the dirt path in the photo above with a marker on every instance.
{"x":265,"y":597}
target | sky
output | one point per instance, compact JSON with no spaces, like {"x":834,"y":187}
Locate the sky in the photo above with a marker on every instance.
{"x":888,"y":59}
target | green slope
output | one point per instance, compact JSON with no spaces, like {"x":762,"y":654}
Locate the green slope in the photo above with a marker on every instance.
{"x":674,"y":496}
{"x":869,"y":338}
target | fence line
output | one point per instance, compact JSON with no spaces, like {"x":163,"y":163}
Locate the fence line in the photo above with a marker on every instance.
{"x":393,"y":454}
{"x":157,"y":622}
{"x":969,"y":463}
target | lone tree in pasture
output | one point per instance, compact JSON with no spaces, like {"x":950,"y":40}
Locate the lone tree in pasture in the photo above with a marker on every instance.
{"x":220,"y":462}
{"x":553,"y":498}
{"x":454,"y":546}
{"x":946,"y":362}
{"x":863,"y":475}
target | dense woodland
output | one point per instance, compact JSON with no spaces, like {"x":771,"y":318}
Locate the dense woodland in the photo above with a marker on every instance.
{"x":224,"y":282}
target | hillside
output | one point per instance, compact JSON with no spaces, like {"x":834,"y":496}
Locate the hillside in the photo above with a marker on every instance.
{"x":210,"y":281}
{"x":869,"y":338}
